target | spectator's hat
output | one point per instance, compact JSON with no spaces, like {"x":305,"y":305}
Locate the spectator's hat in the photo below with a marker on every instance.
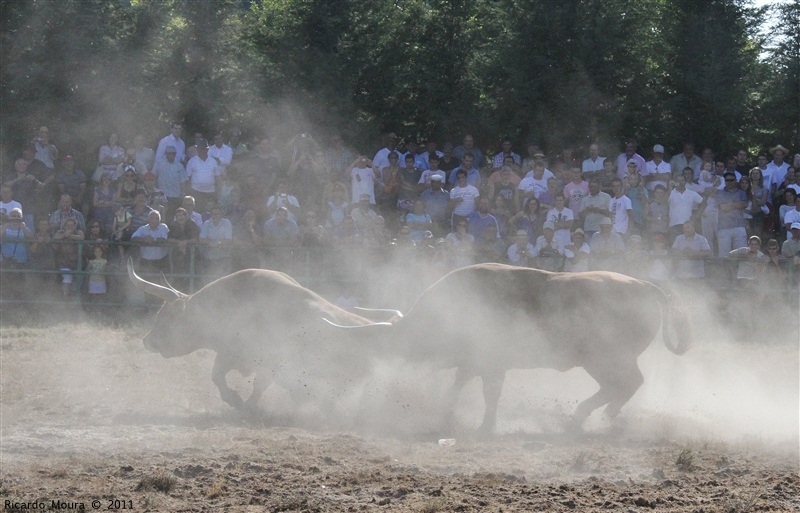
{"x":279,"y":209}
{"x":149,"y":176}
{"x":171,"y":149}
{"x":68,"y":158}
{"x":364,"y":197}
{"x":605,"y":221}
{"x":795,"y":226}
{"x":549,"y":225}
{"x":635,"y":238}
{"x":631,"y":162}
{"x":522,"y":233}
{"x":202,"y":143}
{"x":129,"y":168}
{"x":658,"y":149}
{"x":579,"y":231}
{"x":779,"y":147}
{"x":538,"y":154}
{"x":436,"y":177}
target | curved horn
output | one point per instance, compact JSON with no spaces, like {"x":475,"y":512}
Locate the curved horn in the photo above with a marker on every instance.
{"x":169,"y":285}
{"x":398,"y":313}
{"x":372,"y":325}
{"x":153,"y":288}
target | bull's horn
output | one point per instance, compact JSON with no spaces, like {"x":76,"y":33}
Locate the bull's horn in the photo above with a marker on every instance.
{"x":153,"y":288}
{"x":169,"y":285}
{"x":398,"y":313}
{"x":356,"y":327}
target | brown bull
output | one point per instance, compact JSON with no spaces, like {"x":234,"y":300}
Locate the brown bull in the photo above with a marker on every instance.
{"x":491,"y":318}
{"x":257,"y":321}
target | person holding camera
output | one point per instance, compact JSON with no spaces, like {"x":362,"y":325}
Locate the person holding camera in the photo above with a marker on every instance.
{"x":282,"y":198}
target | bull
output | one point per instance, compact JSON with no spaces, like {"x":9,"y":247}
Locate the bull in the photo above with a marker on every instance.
{"x":487,"y":319}
{"x":258,"y":322}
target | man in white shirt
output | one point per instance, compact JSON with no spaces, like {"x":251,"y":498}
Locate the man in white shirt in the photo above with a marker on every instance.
{"x":221,"y":152}
{"x":152,"y":238}
{"x":657,"y":171}
{"x":777,"y":168}
{"x":204,"y":175}
{"x":381,"y":158}
{"x":463,"y":197}
{"x":594,"y":163}
{"x":173,"y":139}
{"x":682,"y":204}
{"x":621,"y":209}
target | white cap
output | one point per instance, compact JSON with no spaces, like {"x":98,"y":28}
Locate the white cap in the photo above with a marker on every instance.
{"x":658,"y":149}
{"x":795,"y":225}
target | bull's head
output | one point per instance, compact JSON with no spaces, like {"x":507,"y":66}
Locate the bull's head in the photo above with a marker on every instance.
{"x":165,"y":337}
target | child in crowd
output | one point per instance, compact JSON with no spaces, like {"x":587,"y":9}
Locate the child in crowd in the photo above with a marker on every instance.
{"x":122,"y":221}
{"x":97,"y":279}
{"x":707,"y":176}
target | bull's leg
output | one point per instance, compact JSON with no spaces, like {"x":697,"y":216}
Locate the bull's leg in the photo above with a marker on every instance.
{"x":492,"y":388}
{"x":617,"y":383}
{"x":451,"y":398}
{"x":220,"y":370}
{"x":260,"y":384}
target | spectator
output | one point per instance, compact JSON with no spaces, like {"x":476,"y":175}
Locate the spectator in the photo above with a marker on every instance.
{"x":640,"y":202}
{"x":97,"y":285}
{"x":535,"y":182}
{"x":481,"y":218}
{"x":503,"y":183}
{"x":489,"y":247}
{"x":502,"y":212}
{"x":283,"y":198}
{"x":521,"y":253}
{"x":460,"y":245}
{"x":468,"y":146}
{"x":216,"y":235}
{"x":657,"y":171}
{"x":607,"y":247}
{"x":130,"y":161}
{"x":625,"y":157}
{"x":155,"y":196}
{"x":657,"y":212}
{"x":687,"y":158}
{"x":15,"y":237}
{"x":172,"y":139}
{"x":363,"y":175}
{"x":577,"y":252}
{"x":562,"y":219}
{"x":221,"y":152}
{"x":436,"y":204}
{"x":128,"y":187}
{"x":777,"y":168}
{"x":66,"y":253}
{"x":46,"y":152}
{"x":731,"y":202}
{"x":548,"y":250}
{"x":418,"y":221}
{"x":576,"y":190}
{"x":462,"y":197}
{"x":683,"y":205}
{"x":171,"y":178}
{"x":337,"y":158}
{"x":337,"y":206}
{"x":473,"y":173}
{"x":530,"y":218}
{"x":594,"y":163}
{"x":499,"y":158}
{"x":143,"y":154}
{"x":72,"y":181}
{"x":408,"y":178}
{"x":205,"y":177}
{"x":363,"y":214}
{"x":757,"y":206}
{"x":433,"y":169}
{"x":690,"y":248}
{"x":594,"y":208}
{"x":449,"y":161}
{"x":188,"y":204}
{"x":41,"y":257}
{"x":140,"y":214}
{"x":7,"y":203}
{"x":790,"y":203}
{"x":24,"y":187}
{"x":750,"y":262}
{"x":182,"y":234}
{"x":791,"y":250}
{"x":103,"y":201}
{"x":381,"y":159}
{"x":152,"y":240}
{"x":64,"y":212}
{"x":109,"y":157}
{"x":621,"y":210}
{"x":239,"y":148}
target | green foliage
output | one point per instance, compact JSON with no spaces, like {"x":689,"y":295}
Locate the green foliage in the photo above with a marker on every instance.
{"x":566,"y":72}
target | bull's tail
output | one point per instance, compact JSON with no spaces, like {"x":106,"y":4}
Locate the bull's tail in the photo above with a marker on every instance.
{"x":676,"y":327}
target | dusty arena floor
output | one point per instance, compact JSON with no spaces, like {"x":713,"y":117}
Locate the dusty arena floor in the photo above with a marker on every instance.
{"x":90,"y":418}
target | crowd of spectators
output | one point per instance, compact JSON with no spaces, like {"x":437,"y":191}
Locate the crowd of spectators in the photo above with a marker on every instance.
{"x":194,"y":207}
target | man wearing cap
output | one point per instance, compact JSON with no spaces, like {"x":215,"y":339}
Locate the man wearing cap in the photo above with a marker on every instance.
{"x":172,"y":139}
{"x":657,"y":171}
{"x":594,"y":163}
{"x":731,"y":202}
{"x":436,"y":200}
{"x":687,"y":158}
{"x":205,"y":178}
{"x":381,"y":158}
{"x":522,"y":252}
{"x":628,"y":155}
{"x":171,"y":179}
{"x":577,"y":253}
{"x":71,"y":181}
{"x":777,"y":168}
{"x":468,"y":146}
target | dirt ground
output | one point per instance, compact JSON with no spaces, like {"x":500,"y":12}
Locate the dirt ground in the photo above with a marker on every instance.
{"x":89,"y":415}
